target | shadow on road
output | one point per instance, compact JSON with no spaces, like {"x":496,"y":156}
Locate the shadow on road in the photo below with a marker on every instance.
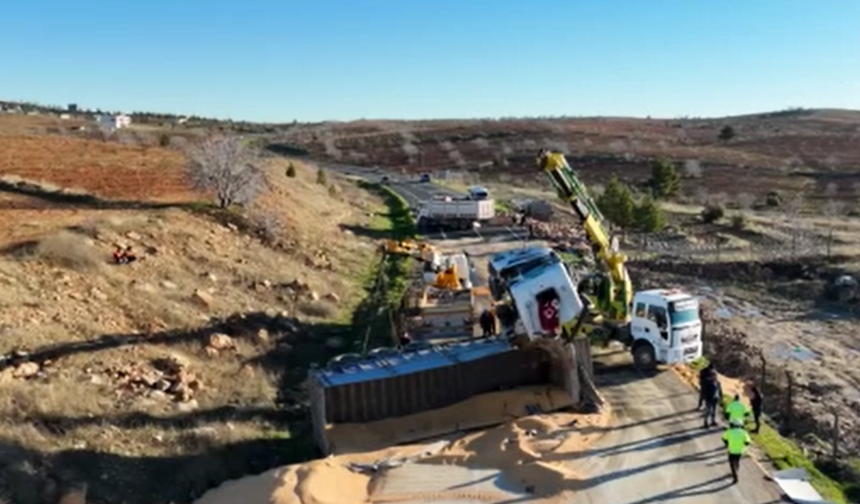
{"x":654,"y":442}
{"x":624,"y":473}
{"x":713,"y":485}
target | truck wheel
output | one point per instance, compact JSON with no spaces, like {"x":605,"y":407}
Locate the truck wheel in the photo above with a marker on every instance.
{"x":643,"y":357}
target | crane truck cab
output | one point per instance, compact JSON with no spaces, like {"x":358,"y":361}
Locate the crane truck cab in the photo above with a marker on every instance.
{"x":665,"y":327}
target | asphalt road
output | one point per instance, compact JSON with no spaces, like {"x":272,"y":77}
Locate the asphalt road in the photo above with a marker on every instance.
{"x":657,"y":450}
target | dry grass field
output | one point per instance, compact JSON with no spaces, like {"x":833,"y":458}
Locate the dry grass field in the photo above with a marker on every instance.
{"x":184,"y":366}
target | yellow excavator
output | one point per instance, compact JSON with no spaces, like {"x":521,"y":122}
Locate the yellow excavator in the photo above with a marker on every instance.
{"x":447,"y":278}
{"x":612,"y":295}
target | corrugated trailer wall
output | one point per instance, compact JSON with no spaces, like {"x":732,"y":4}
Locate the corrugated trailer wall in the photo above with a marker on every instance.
{"x":424,"y":390}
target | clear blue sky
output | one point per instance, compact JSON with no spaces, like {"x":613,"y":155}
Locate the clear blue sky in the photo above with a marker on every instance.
{"x":279,"y":60}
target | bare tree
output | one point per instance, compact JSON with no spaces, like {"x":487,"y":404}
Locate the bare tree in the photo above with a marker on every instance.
{"x":618,"y":145}
{"x":410,"y":150}
{"x":745,"y":200}
{"x":481,"y":143}
{"x":457,"y":158}
{"x":833,"y":207}
{"x":225,"y":166}
{"x":331,"y":147}
{"x":692,"y":168}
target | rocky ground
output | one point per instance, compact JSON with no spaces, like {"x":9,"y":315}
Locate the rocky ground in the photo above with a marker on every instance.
{"x":183,"y":366}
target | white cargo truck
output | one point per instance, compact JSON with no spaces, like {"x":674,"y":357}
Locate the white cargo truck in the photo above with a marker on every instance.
{"x":452,"y":213}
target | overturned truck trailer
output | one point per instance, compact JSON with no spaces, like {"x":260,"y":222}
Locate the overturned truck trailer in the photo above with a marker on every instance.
{"x":387,"y":398}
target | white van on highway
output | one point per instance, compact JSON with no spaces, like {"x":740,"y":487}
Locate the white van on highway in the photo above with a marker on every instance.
{"x":478,"y":193}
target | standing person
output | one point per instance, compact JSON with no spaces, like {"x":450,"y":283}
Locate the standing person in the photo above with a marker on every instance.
{"x":711,"y":392}
{"x":756,"y":399}
{"x":486,"y":321}
{"x":736,"y":439}
{"x":705,"y":374}
{"x":736,"y":411}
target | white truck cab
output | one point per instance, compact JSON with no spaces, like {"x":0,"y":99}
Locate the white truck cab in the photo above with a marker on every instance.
{"x":665,"y":327}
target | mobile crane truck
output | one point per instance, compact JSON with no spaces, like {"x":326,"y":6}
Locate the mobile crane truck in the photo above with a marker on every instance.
{"x":658,"y":325}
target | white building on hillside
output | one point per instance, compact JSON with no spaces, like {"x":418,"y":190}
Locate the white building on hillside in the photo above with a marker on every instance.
{"x":113,"y":122}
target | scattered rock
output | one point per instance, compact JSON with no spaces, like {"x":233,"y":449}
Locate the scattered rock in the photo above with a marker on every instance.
{"x":97,"y":294}
{"x":167,"y":284}
{"x":26,"y":370}
{"x":158,"y":395}
{"x":331,"y":296}
{"x":263,"y":336}
{"x":187,"y":406}
{"x":131,"y":235}
{"x":203,"y":298}
{"x":143,"y":286}
{"x":221,"y":341}
{"x":314,"y":296}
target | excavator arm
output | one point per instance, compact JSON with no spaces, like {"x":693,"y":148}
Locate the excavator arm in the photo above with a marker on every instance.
{"x":616,"y":292}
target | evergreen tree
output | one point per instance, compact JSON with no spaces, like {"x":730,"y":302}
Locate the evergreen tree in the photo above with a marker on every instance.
{"x":665,"y":181}
{"x":291,"y":171}
{"x":616,"y":203}
{"x":649,"y":216}
{"x":727,"y":133}
{"x":321,"y":178}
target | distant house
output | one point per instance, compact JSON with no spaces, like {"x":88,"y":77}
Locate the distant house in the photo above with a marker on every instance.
{"x":113,"y":122}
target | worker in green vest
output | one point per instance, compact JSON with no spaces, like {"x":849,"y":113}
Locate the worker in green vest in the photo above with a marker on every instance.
{"x":736,"y":410}
{"x":736,"y":440}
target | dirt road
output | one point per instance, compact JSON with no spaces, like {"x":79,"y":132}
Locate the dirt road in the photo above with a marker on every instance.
{"x":657,"y":450}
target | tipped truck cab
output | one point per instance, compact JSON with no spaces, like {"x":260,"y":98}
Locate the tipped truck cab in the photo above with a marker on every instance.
{"x":506,"y":266}
{"x":545,"y":299}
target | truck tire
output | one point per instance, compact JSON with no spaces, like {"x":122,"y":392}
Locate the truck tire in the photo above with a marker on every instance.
{"x":643,"y":356}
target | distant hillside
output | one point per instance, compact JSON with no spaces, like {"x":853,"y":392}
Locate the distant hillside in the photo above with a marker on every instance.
{"x":791,"y":149}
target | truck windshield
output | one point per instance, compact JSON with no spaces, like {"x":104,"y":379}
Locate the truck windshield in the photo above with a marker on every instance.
{"x":683,"y":312}
{"x":521,"y":268}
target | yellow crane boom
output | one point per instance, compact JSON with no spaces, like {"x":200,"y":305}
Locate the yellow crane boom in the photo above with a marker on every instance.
{"x":615,"y":292}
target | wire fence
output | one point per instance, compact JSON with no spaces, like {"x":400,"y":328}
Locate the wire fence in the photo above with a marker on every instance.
{"x":797,"y":244}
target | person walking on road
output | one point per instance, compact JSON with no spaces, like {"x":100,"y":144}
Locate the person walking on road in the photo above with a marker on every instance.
{"x":736,"y":439}
{"x":756,"y":399}
{"x":711,"y":392}
{"x":736,"y":411}
{"x":707,"y":373}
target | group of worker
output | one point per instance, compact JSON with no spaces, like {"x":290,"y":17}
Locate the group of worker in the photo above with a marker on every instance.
{"x":735,"y":438}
